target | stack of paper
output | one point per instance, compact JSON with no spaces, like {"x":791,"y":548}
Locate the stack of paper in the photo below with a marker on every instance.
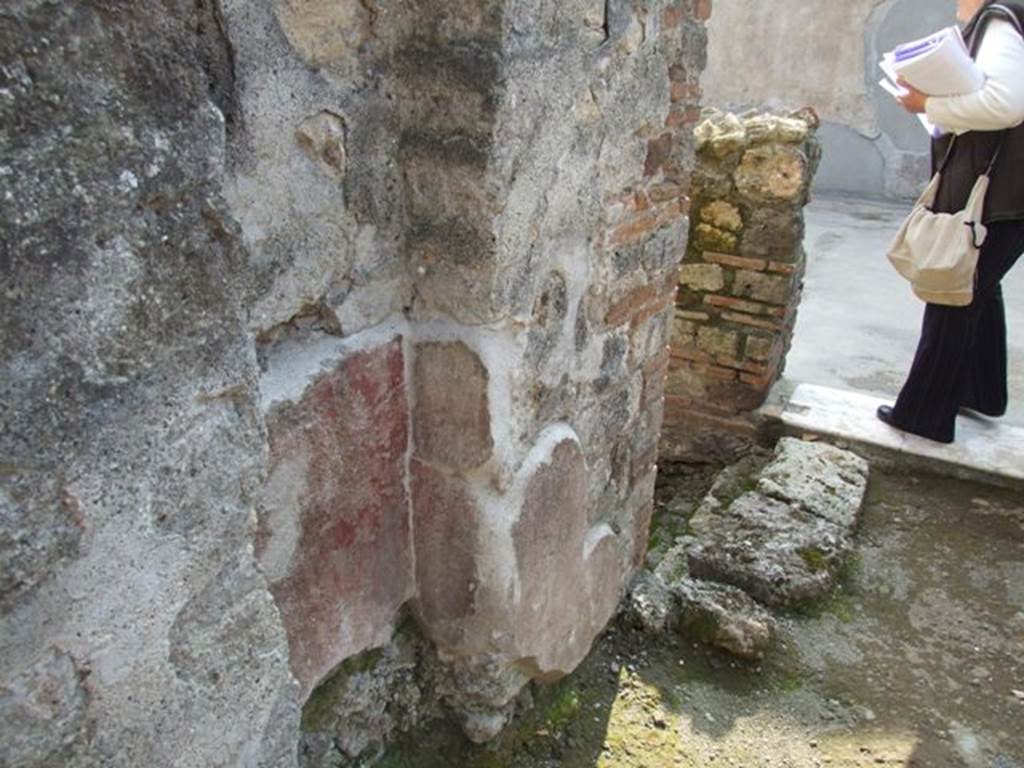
{"x":939,"y":65}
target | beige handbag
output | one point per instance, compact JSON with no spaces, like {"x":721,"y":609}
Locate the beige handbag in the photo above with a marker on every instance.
{"x":938,"y":252}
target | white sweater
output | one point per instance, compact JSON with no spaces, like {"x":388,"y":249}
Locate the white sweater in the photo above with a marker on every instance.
{"x":1000,"y":102}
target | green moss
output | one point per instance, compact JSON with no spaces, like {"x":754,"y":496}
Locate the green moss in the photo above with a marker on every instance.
{"x":840,"y":602}
{"x":322,"y":707}
{"x":700,"y":626}
{"x":563,"y":710}
{"x":814,"y":559}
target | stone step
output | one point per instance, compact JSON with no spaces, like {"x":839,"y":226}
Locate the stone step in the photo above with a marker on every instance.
{"x":985,"y":450}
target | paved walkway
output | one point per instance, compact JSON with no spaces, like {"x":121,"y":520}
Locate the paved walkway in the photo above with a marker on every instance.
{"x":857,"y":331}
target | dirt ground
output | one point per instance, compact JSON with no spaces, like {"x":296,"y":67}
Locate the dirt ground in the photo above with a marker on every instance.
{"x":915,"y":661}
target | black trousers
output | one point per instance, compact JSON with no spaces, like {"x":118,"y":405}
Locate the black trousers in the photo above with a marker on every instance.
{"x":961,"y":358}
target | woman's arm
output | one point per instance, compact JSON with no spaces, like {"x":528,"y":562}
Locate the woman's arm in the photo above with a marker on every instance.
{"x":1000,"y":102}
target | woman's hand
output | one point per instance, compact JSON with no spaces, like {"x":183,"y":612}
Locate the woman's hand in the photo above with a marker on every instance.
{"x":914,"y":101}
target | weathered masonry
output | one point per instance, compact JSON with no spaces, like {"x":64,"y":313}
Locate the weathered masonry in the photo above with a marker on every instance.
{"x":742,"y":277}
{"x":322,"y":317}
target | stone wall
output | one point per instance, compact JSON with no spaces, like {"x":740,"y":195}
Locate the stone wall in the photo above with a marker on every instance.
{"x":318,"y":316}
{"x":784,"y":54}
{"x":741,"y":279}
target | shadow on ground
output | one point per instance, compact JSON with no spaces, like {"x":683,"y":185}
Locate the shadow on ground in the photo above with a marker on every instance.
{"x":915,"y":661}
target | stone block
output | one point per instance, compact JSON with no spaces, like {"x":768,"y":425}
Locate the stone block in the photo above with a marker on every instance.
{"x":722,"y":214}
{"x":819,"y":479}
{"x":650,"y":605}
{"x":773,"y":234}
{"x":334,"y":538}
{"x":324,"y":32}
{"x":709,"y":238}
{"x":759,"y":347}
{"x":702,"y":277}
{"x":772,"y":173}
{"x":780,"y":556}
{"x":720,"y":135}
{"x":322,"y":138}
{"x":779,"y":527}
{"x":723,"y":616}
{"x":451,"y":415}
{"x":759,"y":286}
{"x":718,"y":341}
{"x":764,"y":129}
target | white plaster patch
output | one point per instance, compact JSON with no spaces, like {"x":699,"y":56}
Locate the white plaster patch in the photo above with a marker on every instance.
{"x":595,"y":536}
{"x":293,"y":365}
{"x":502,"y":510}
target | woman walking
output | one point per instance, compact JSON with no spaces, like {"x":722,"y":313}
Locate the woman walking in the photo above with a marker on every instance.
{"x":961,"y":357}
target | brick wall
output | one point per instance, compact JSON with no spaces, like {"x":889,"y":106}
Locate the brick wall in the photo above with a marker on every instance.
{"x":741,"y":279}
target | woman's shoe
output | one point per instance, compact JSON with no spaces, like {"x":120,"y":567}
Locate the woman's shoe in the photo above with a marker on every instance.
{"x":884,"y":414}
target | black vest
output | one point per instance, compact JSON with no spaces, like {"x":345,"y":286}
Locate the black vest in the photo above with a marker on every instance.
{"x":974,"y":150}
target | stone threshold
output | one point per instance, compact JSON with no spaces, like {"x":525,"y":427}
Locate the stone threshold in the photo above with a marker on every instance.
{"x":985,"y":450}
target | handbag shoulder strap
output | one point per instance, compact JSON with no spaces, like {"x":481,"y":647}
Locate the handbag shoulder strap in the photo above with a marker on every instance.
{"x":1012,"y":14}
{"x":976,"y":32}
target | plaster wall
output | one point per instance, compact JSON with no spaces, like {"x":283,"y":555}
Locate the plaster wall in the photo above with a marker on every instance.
{"x":318,"y":316}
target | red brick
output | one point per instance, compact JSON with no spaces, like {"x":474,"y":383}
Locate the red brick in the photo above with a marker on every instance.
{"x":758,"y":382}
{"x":658,"y":152}
{"x":666,"y":192}
{"x":635,"y":228}
{"x":690,"y":353}
{"x":738,"y":262}
{"x":745,"y":366}
{"x":740,"y":305}
{"x":753,"y":322}
{"x":781,"y":268}
{"x":702,"y":10}
{"x":628,"y":305}
{"x":673,"y":16}
{"x":720,"y":373}
{"x":676,"y":119}
{"x":656,"y":307}
{"x":686,"y":116}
